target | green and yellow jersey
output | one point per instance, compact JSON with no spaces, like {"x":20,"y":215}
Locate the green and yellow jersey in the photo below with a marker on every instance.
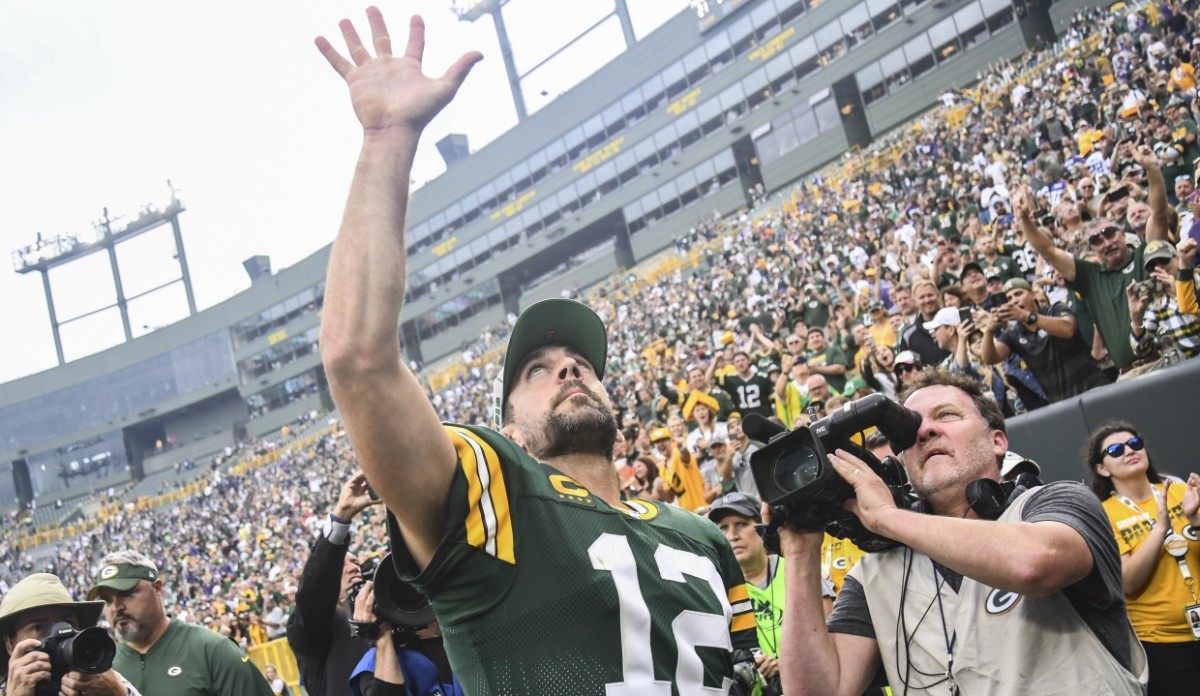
{"x":542,"y":588}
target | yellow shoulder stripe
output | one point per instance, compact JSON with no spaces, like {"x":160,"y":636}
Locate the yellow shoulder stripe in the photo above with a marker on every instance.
{"x":742,"y":622}
{"x":489,"y":524}
{"x":743,"y":611}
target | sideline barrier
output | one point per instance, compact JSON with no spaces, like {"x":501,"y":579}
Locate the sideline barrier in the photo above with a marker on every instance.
{"x":1162,"y":405}
{"x":277,"y":652}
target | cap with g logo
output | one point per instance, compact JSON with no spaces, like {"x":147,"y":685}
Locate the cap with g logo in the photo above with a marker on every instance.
{"x":121,"y":577}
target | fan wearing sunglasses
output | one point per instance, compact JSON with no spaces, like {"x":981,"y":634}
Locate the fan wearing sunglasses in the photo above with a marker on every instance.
{"x":1102,"y":284}
{"x":1155,"y":522}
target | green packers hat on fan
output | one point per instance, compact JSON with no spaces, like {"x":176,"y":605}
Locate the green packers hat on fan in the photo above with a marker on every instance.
{"x":551,"y":323}
{"x":121,"y":577}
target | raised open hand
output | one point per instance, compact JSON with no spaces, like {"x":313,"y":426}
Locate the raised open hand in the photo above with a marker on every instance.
{"x":391,"y":93}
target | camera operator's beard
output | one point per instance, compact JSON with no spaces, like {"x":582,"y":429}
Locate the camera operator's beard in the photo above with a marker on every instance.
{"x":974,"y":462}
{"x":591,"y":430}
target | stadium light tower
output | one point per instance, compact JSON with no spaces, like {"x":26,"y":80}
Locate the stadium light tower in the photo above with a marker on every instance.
{"x":471,"y":10}
{"x":106,"y":234}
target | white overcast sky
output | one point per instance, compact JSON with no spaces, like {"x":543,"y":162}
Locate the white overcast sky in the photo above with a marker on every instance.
{"x":105,"y":100}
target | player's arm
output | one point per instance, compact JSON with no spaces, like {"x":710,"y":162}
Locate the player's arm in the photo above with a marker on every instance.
{"x":396,"y":434}
{"x":1063,"y":262}
{"x":812,"y":660}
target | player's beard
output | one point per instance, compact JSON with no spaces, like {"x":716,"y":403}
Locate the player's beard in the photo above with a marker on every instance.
{"x":589,"y":429}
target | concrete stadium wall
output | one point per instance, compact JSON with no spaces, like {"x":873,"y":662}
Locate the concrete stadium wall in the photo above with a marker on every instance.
{"x":1162,"y":405}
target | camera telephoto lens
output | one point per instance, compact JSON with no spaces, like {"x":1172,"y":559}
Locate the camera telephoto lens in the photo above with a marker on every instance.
{"x":797,"y":469}
{"x":90,"y":651}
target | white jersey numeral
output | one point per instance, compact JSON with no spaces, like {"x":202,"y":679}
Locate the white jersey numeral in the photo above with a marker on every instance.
{"x":612,"y":554}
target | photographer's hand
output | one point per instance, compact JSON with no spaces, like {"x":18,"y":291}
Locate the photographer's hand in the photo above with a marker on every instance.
{"x":353,"y":498}
{"x":364,"y":603}
{"x":28,"y":667}
{"x":768,"y":666}
{"x":104,"y":684}
{"x":872,"y":501}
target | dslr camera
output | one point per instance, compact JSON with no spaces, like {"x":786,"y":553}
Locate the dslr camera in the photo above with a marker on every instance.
{"x":795,"y":477}
{"x":90,"y":651}
{"x":397,"y":603}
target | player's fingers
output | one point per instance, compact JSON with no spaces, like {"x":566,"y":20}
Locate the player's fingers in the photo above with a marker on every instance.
{"x":416,"y":39}
{"x":358,"y":52}
{"x":458,"y":72}
{"x":379,"y":32}
{"x":340,"y":64}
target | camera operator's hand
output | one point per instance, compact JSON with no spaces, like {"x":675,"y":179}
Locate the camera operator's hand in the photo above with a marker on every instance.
{"x":354,"y":497}
{"x":872,"y":498}
{"x":27,"y":667}
{"x":364,"y":603}
{"x":768,"y":666}
{"x":103,"y":684}
{"x":802,"y":545}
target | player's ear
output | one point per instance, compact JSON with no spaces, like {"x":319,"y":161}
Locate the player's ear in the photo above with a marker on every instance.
{"x":513,"y":433}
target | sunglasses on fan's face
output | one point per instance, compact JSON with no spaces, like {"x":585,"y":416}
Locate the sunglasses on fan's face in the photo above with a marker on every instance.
{"x":1117,"y":449}
{"x":1107,"y":233}
{"x":904,"y":367}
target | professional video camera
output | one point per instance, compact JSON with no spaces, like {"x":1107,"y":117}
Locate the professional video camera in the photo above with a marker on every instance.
{"x":795,"y":478}
{"x":90,"y":651}
{"x":396,"y":602}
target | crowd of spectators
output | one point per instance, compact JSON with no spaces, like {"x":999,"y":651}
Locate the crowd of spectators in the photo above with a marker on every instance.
{"x":234,"y":551}
{"x":1049,"y":207}
{"x":1032,"y":232}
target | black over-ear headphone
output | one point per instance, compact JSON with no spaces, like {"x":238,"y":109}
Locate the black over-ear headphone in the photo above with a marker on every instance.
{"x":989,"y":498}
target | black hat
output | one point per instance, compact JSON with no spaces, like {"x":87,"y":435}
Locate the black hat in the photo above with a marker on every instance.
{"x":738,"y":503}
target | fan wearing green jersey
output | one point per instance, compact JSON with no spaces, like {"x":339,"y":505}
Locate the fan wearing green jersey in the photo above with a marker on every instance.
{"x":544,"y":581}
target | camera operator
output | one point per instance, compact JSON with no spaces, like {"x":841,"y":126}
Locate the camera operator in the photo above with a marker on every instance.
{"x":405,"y":660}
{"x":160,"y":655}
{"x":318,"y":630}
{"x":32,"y":606}
{"x":1031,"y":603}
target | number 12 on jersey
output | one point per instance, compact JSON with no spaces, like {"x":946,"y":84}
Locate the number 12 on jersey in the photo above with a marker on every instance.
{"x":691,"y":629}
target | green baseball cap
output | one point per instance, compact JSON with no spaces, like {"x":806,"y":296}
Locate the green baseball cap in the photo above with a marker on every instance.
{"x":555,"y":322}
{"x":121,"y":577}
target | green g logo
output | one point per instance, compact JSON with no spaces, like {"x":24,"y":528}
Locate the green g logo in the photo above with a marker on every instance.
{"x":1001,"y":601}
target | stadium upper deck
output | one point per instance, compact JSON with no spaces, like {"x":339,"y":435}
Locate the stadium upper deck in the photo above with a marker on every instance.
{"x":680,"y":125}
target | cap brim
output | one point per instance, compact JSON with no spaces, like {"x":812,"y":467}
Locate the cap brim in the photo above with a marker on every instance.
{"x":718,"y":512}
{"x":118,"y":584}
{"x":556,"y":322}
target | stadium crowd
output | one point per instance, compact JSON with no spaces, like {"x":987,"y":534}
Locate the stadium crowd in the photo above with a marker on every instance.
{"x":1038,"y":234}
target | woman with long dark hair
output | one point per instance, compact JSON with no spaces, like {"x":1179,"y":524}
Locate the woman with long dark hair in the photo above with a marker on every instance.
{"x":1155,"y":522}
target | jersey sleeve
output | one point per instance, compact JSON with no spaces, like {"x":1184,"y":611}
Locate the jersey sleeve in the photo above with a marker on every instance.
{"x":475,"y":561}
{"x":743,"y":629}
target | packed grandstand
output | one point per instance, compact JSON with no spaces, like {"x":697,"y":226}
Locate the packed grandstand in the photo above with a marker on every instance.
{"x":831,"y":289}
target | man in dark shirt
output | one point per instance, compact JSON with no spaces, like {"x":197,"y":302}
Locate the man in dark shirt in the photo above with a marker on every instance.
{"x":318,"y":630}
{"x":1048,"y":342}
{"x":915,"y":337}
{"x":750,"y":390}
{"x":826,"y":359}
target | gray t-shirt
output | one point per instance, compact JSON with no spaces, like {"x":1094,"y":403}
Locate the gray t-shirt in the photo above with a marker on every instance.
{"x":1099,"y":598}
{"x":742,"y":475}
